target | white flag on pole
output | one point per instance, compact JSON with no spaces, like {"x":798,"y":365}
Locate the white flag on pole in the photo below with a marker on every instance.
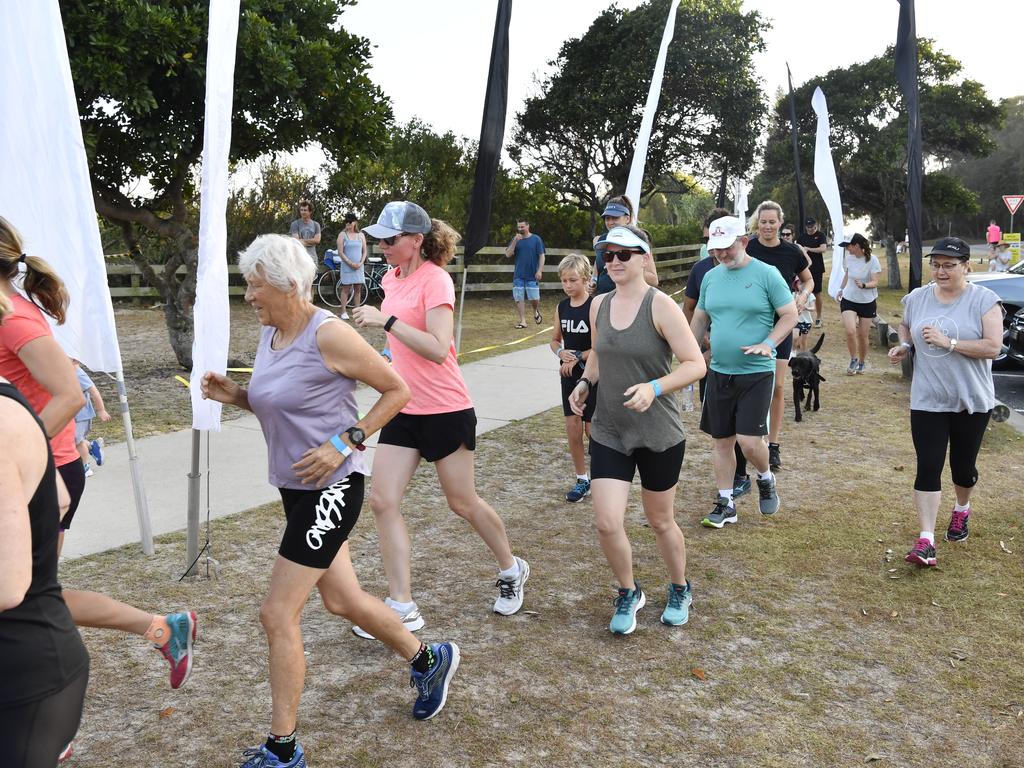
{"x":45,"y":189}
{"x":828,"y":187}
{"x":212,"y":319}
{"x":634,"y":184}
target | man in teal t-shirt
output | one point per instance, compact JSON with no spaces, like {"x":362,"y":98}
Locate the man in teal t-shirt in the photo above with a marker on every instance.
{"x":751,"y":310}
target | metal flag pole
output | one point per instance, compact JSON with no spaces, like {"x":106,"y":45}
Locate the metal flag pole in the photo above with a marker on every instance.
{"x":134,"y":467}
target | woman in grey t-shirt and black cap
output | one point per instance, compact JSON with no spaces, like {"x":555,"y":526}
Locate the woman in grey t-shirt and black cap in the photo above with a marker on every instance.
{"x":955,"y":328}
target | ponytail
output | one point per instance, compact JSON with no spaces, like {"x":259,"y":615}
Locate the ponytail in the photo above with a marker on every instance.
{"x":41,"y":283}
{"x":439,"y":243}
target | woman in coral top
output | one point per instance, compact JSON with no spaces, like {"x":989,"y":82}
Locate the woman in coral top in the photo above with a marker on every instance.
{"x":439,"y":423}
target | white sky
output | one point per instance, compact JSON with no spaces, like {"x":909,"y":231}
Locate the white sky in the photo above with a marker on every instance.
{"x":431,"y":56}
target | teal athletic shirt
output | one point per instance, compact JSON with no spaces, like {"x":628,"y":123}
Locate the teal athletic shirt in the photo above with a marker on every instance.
{"x":742,"y":304}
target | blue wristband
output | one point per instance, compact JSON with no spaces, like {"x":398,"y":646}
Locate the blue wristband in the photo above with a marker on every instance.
{"x":656,"y":386}
{"x":770,"y":343}
{"x":386,"y":353}
{"x":343,"y":449}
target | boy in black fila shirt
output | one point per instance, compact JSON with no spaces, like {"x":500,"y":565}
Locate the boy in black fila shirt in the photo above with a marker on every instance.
{"x":570,"y":342}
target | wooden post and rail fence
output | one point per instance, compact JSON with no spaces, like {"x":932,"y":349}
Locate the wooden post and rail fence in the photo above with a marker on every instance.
{"x":673,"y":263}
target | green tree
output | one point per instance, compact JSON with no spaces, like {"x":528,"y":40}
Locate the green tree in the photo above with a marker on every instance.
{"x":869,"y":136}
{"x":583,"y":127}
{"x":139,"y":70}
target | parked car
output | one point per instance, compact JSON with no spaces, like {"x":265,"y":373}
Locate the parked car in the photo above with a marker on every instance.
{"x":1009,"y":287}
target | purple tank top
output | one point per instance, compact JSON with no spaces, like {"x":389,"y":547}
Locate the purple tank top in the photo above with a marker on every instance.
{"x":300,"y":403}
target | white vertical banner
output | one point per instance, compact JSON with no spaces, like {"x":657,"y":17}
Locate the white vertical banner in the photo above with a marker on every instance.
{"x":634,"y":184}
{"x":741,"y":201}
{"x":828,"y":187}
{"x":45,"y":189}
{"x":212,"y":319}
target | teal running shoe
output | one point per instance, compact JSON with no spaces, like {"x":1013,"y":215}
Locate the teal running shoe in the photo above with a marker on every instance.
{"x":261,"y":757}
{"x":178,"y":650}
{"x":627,"y":604}
{"x":677,"y":609}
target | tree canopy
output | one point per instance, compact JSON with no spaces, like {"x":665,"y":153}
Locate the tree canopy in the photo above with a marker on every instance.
{"x":139,"y":70}
{"x":583,"y":127}
{"x":869,"y":136}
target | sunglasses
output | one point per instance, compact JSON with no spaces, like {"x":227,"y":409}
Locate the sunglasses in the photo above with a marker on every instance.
{"x":786,"y":234}
{"x":622,"y":256}
{"x":390,"y":241}
{"x":944,"y":267}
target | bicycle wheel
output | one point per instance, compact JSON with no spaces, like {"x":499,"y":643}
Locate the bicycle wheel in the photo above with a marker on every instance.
{"x":327,"y":288}
{"x":363,"y":293}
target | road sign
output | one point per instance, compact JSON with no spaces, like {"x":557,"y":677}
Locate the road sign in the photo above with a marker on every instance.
{"x":1013,"y":238}
{"x":1013,"y":202}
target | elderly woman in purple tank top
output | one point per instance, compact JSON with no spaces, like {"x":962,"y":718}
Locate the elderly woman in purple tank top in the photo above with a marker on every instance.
{"x":637,"y":428}
{"x":303,"y":392}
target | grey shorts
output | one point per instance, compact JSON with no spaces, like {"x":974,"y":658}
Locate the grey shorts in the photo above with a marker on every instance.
{"x":82,"y":429}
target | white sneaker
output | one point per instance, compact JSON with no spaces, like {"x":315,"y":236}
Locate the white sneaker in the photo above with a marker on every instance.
{"x":511,"y":598}
{"x":344,"y":316}
{"x":412,"y":620}
{"x":88,"y":471}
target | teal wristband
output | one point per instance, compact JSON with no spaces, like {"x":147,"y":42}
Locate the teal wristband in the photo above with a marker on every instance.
{"x":656,"y":386}
{"x":343,"y":449}
{"x":770,"y":343}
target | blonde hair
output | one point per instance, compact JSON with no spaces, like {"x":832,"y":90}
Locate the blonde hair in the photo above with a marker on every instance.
{"x":439,"y":243}
{"x":769,"y":205}
{"x":5,"y":307}
{"x":577,"y":263}
{"x":41,"y":283}
{"x":284,"y":262}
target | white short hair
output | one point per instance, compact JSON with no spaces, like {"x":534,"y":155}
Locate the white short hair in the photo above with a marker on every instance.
{"x":284,"y":261}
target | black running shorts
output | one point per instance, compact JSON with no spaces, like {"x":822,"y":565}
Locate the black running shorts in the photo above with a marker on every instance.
{"x":435,"y":435}
{"x":868,"y":310}
{"x":659,"y":471}
{"x":737,"y":404}
{"x":73,"y":475}
{"x":568,"y":385}
{"x":320,"y":521}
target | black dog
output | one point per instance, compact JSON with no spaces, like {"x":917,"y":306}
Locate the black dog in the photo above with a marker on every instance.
{"x":806,"y":370}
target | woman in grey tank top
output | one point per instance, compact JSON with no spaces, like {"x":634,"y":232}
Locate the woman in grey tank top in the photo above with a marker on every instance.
{"x":955,"y":328}
{"x":637,"y":427}
{"x":302,"y":391}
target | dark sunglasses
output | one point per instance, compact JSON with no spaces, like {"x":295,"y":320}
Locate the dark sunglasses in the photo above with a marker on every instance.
{"x":623,"y":256}
{"x":389,"y":241}
{"x":786,"y":234}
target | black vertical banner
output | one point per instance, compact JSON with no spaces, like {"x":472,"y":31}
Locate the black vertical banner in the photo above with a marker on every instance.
{"x":492,"y":136}
{"x":796,"y":151}
{"x":906,"y":76}
{"x":722,"y":182}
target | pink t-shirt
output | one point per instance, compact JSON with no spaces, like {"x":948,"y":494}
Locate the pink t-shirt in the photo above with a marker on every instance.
{"x":994,"y":233}
{"x":435,"y":388}
{"x":27,"y":323}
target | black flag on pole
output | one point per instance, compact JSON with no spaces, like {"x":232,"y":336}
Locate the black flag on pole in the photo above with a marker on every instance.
{"x":492,"y":136}
{"x":906,"y":76}
{"x":796,"y":148}
{"x":720,"y":200}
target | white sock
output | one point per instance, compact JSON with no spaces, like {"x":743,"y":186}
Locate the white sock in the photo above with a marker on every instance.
{"x":930,"y":535}
{"x":957,"y":507}
{"x":511,"y":573}
{"x":765,"y":476}
{"x":583,"y":477}
{"x":727,"y":494}
{"x":400,"y":607}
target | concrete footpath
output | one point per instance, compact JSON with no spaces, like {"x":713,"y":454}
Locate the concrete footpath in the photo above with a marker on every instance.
{"x":504,"y":388}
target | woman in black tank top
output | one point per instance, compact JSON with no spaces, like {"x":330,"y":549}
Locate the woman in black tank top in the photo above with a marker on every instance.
{"x":44,"y":667}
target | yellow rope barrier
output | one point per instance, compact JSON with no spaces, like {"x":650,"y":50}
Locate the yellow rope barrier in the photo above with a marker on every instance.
{"x":508,"y":343}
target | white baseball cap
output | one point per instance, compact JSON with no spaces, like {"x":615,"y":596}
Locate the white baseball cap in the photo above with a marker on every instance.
{"x":723,"y":232}
{"x":624,"y":237}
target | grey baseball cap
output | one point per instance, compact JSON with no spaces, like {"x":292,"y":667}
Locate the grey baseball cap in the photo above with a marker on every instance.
{"x":398,"y":217}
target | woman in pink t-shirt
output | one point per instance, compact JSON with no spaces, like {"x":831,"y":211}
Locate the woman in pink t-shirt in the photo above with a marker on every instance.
{"x":439,"y":423}
{"x":993,"y":234}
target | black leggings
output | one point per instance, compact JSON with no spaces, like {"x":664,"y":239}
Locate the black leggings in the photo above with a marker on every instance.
{"x":35,"y":734}
{"x":932,"y":432}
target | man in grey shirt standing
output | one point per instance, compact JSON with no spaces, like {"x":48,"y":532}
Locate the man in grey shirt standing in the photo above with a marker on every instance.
{"x":305,"y":230}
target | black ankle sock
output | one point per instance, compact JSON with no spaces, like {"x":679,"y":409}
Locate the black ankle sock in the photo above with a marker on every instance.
{"x":423,"y":660}
{"x":282,"y":746}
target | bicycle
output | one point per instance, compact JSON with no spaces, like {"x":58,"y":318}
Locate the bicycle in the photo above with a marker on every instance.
{"x":328,"y":284}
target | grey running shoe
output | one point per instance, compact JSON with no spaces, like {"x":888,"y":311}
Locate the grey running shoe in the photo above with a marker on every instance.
{"x":862,"y":366}
{"x":769,"y":502}
{"x":412,"y":619}
{"x":740,"y":486}
{"x":853,"y":367}
{"x":720,"y":515}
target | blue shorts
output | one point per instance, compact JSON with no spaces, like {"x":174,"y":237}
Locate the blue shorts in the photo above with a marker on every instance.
{"x":521,"y":287}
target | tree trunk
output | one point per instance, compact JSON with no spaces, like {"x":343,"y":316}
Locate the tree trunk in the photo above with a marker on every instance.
{"x":894,"y":262}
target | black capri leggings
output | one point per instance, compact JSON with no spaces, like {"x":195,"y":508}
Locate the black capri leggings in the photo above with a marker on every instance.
{"x":932,"y":432}
{"x":34,"y":734}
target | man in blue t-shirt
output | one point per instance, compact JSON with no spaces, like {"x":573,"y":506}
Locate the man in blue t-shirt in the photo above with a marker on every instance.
{"x":528,"y":250}
{"x":740,"y":299}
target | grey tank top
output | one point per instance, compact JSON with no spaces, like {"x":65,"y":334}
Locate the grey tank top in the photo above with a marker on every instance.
{"x":631,"y":356}
{"x":301,"y":403}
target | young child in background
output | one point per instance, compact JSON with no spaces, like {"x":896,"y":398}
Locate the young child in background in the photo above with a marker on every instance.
{"x":804,"y":321}
{"x":83,"y":420}
{"x":1000,"y":262}
{"x":570,"y":341}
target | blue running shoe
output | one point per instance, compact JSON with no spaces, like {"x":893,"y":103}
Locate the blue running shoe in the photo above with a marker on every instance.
{"x":178,"y":650}
{"x":261,"y":757}
{"x":578,"y":491}
{"x":96,"y":451}
{"x":677,"y":609}
{"x":626,"y":605}
{"x":432,"y":685}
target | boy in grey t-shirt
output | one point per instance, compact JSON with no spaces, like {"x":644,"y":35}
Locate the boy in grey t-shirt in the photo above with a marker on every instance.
{"x":305,"y":230}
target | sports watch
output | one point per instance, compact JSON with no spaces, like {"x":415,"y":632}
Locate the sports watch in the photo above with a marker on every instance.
{"x":356,"y":436}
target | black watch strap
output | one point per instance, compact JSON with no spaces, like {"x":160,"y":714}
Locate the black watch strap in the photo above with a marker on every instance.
{"x":356,"y":436}
{"x":391,"y":321}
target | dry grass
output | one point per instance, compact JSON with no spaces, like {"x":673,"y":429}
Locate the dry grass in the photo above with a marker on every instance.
{"x":817,"y":646}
